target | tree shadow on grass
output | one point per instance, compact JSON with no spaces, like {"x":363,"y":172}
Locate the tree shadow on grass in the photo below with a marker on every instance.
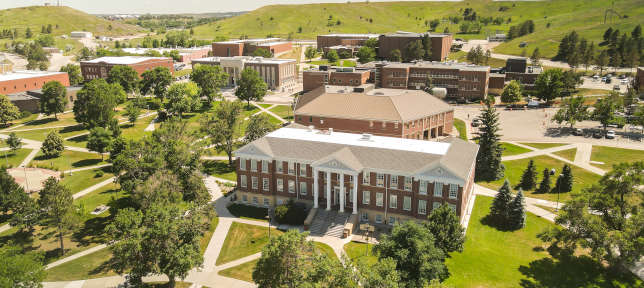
{"x":491,"y":221}
{"x":79,"y":139}
{"x":86,"y":162}
{"x":41,"y":121}
{"x":217,"y":167}
{"x":70,"y":129}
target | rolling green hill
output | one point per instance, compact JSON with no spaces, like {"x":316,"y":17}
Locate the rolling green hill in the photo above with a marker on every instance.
{"x":586,"y":16}
{"x":66,"y":18}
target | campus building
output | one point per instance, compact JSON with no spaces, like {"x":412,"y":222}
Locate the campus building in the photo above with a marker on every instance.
{"x":412,"y":114}
{"x":246,"y":47}
{"x":12,"y":82}
{"x":100,"y":67}
{"x":441,"y":44}
{"x":279,"y":74}
{"x":185,"y":54}
{"x":639,"y":79}
{"x":325,"y":75}
{"x":462,"y":81}
{"x":330,"y":40}
{"x":519,"y":70}
{"x":381,"y":180}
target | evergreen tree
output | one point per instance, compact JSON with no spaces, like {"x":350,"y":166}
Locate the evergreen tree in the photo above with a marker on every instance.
{"x":544,"y":186}
{"x":564,"y":181}
{"x":488,"y":160}
{"x":517,"y":211}
{"x":529,"y":177}
{"x":500,"y":209}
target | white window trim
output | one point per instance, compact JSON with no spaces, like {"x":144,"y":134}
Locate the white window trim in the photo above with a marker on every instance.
{"x":366,"y":197}
{"x":289,"y":187}
{"x":438,"y":187}
{"x":265,"y":184}
{"x":280,"y":185}
{"x":254,"y":182}
{"x":244,"y":181}
{"x":303,"y":188}
{"x":242,"y":164}
{"x":405,"y":198}
{"x":393,"y":201}
{"x":422,"y":211}
{"x":422,"y":187}
{"x":453,"y":188}
{"x":382,"y":199}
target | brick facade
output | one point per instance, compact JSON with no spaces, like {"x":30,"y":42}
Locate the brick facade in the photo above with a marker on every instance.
{"x":325,"y":41}
{"x":441,"y":44}
{"x":312,"y":79}
{"x":22,"y":81}
{"x":246,"y":47}
{"x":100,"y":69}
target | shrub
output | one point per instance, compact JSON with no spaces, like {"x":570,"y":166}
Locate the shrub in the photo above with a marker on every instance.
{"x":25,"y":114}
{"x":99,"y":174}
{"x":290,"y":213}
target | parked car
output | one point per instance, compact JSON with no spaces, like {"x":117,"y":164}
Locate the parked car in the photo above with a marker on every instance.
{"x":476,"y":122}
{"x":622,"y":76}
{"x":616,"y":88}
{"x":598,"y":135}
{"x":624,"y":81}
{"x":578,"y":132}
{"x":609,"y":80}
{"x":533,"y":104}
{"x":610,"y":134}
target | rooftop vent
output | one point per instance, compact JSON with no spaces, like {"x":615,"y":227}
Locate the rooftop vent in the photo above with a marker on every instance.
{"x":365,"y":137}
{"x":311,"y":127}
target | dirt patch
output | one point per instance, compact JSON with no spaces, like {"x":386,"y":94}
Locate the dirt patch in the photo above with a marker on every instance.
{"x":32,"y":179}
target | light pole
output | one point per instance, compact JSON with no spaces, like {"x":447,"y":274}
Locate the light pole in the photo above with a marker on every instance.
{"x":558,"y":188}
{"x":269,"y":223}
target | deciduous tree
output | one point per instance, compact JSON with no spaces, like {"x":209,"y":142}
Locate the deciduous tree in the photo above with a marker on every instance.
{"x":395,"y":56}
{"x":57,"y":205}
{"x":99,"y":140}
{"x":222,"y":125}
{"x":156,"y":81}
{"x":132,"y":111}
{"x":53,"y":99}
{"x":366,"y":54}
{"x":446,"y":227}
{"x":251,"y":87}
{"x":95,"y":103}
{"x":74,"y":73}
{"x":125,"y":76}
{"x":21,"y":269}
{"x":605,"y":110}
{"x":572,"y":110}
{"x":549,"y":84}
{"x":8,"y":111}
{"x":511,"y":92}
{"x":310,"y":53}
{"x":258,"y":126}
{"x":332,"y":56}
{"x":414,"y":51}
{"x":183,"y":98}
{"x":14,"y":142}
{"x":53,"y":145}
{"x":210,"y":78}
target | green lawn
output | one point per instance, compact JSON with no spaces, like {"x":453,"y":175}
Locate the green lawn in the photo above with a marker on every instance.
{"x":68,"y":160}
{"x":358,"y":252}
{"x":41,"y":134}
{"x":325,"y":249}
{"x":610,"y":156}
{"x":567,"y":154}
{"x":84,"y":179}
{"x":511,"y":149}
{"x":244,"y":240}
{"x":203,"y":243}
{"x":265,"y":106}
{"x":242,"y":272}
{"x":461,"y":56}
{"x":543,"y":145}
{"x":514,"y":169}
{"x":13,"y":159}
{"x":182,"y":72}
{"x":494,"y":258}
{"x":94,"y":265}
{"x":283,"y":111}
{"x":341,"y":63}
{"x":248,"y":212}
{"x":220,"y":169}
{"x":66,"y":119}
{"x":460,"y":127}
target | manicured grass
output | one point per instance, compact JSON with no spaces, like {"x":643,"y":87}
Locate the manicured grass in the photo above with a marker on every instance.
{"x":543,"y":145}
{"x":461,"y":56}
{"x":66,"y":119}
{"x":511,"y":149}
{"x":68,"y":160}
{"x":41,"y":134}
{"x":220,"y":169}
{"x":460,"y":127}
{"x":295,"y":53}
{"x":611,"y":156}
{"x":178,"y":284}
{"x":325,"y":249}
{"x":248,"y":212}
{"x":341,"y":63}
{"x":514,"y":169}
{"x":94,"y":265}
{"x":182,"y":72}
{"x":84,"y":179}
{"x":283,"y":111}
{"x":205,"y":239}
{"x":242,"y":272}
{"x":248,"y":111}
{"x":567,"y":154}
{"x":13,"y":159}
{"x":244,"y":240}
{"x":264,"y":105}
{"x":358,"y":252}
{"x":548,"y":208}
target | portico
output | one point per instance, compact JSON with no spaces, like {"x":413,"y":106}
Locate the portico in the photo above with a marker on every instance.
{"x":332,"y":198}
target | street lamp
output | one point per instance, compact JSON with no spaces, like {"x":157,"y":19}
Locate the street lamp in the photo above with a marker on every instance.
{"x":558,"y":188}
{"x":268,"y":217}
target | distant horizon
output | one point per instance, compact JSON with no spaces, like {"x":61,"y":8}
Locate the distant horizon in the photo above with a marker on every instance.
{"x":170,"y":6}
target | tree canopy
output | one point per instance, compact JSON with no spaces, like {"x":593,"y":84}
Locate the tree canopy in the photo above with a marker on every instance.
{"x":20,"y":269}
{"x":183,"y":98}
{"x":258,"y":126}
{"x":156,"y":81}
{"x":74,"y":73}
{"x":210,"y":78}
{"x":251,"y":87}
{"x":511,"y":92}
{"x":8,"y":111}
{"x":125,"y":76}
{"x":549,"y":84}
{"x":53,"y":99}
{"x":222,"y":125}
{"x":488,"y":160}
{"x":96,"y":101}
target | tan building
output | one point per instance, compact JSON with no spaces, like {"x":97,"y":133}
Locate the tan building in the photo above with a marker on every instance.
{"x":441,"y":44}
{"x":246,"y":47}
{"x":279,"y":74}
{"x":330,"y":40}
{"x":100,"y":67}
{"x":412,"y":114}
{"x":379,"y":180}
{"x":342,"y":76}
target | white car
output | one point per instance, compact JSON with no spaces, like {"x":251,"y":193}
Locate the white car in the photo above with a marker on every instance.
{"x":610,"y":134}
{"x":624,"y":81}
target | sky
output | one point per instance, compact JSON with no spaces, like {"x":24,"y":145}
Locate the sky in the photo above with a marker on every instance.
{"x":162,"y":6}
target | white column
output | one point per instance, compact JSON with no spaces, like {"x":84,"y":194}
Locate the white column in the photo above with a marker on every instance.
{"x":355,"y":194}
{"x":341,"y":192}
{"x":315,"y":188}
{"x":328,"y":190}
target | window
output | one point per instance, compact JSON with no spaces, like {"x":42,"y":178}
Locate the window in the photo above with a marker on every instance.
{"x":378,"y":218}
{"x":244,"y":184}
{"x":453,"y":207}
{"x":280,"y":185}
{"x":291,"y":186}
{"x":291,"y":168}
{"x":245,"y":198}
{"x":393,"y":201}
{"x":265,"y":184}
{"x":302,"y":169}
{"x":408,"y":183}
{"x":370,"y":124}
{"x":392,"y":220}
{"x":436,"y":205}
{"x":366,"y":178}
{"x":422,"y":207}
{"x":380,"y":180}
{"x":267,"y":202}
{"x":310,"y":118}
{"x":253,"y":165}
{"x":422,"y":188}
{"x":279,"y":165}
{"x":379,"y":199}
{"x":364,"y":217}
{"x":303,"y":188}
{"x":453,"y":191}
{"x":255,"y":201}
{"x":396,"y":125}
{"x":321,"y":120}
{"x":242,"y":164}
{"x":407,"y":203}
{"x":254,"y":180}
{"x":438,"y":189}
{"x":264,"y":166}
{"x":365,"y":197}
{"x":393,"y":181}
{"x":384,"y":124}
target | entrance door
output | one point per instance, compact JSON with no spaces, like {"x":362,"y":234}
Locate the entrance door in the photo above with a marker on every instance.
{"x":336,"y":195}
{"x":426,"y":135}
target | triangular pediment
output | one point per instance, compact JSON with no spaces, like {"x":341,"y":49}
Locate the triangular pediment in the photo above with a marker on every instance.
{"x":436,"y":170}
{"x":255,"y":148}
{"x":340,"y":160}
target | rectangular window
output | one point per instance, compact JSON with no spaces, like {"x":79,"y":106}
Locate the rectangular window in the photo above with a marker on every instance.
{"x":393,"y":181}
{"x":267,"y":202}
{"x":366,"y":178}
{"x":408,"y":183}
{"x":254,"y":180}
{"x":245,"y":198}
{"x":242,"y":164}
{"x":453,"y":191}
{"x":422,"y":188}
{"x":453,"y":207}
{"x":436,"y":205}
{"x":265,"y":184}
{"x":280,"y":185}
{"x":407,"y":203}
{"x":378,"y":218}
{"x":280,"y":166}
{"x":291,"y":186}
{"x":422,"y":207}
{"x":392,"y":220}
{"x":244,"y":184}
{"x":379,"y":199}
{"x":255,"y":201}
{"x":264,"y":166}
{"x":438,"y":189}
{"x":393,"y":201}
{"x":364,"y":217}
{"x":253,"y":165}
{"x":380,"y":180}
{"x":291,"y":168}
{"x":302,"y":169}
{"x":366,"y":195}
{"x":303,"y":188}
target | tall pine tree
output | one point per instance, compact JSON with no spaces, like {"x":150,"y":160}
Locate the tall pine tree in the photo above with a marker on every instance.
{"x":488,"y":160}
{"x":517,"y":211}
{"x":544,"y":186}
{"x":500,"y":209}
{"x":564,"y":181}
{"x":529,"y":177}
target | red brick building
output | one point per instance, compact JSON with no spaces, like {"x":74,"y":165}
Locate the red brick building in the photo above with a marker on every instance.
{"x":342,"y":76}
{"x":380,"y":180}
{"x":246,"y":47}
{"x":412,"y":114}
{"x":330,"y":40}
{"x":100,"y":67}
{"x":441,"y":44}
{"x":21,"y":81}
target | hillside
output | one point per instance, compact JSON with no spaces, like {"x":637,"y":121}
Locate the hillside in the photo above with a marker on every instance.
{"x":586,"y":16}
{"x":66,"y":18}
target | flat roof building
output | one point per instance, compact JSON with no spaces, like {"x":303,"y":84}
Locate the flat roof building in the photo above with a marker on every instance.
{"x":330,"y":40}
{"x":246,"y":47}
{"x":185,"y":54}
{"x":411,"y":114}
{"x":343,"y":76}
{"x":27,"y":80}
{"x":279,"y":74}
{"x":517,"y":68}
{"x":441,"y":44}
{"x":379,"y":180}
{"x":100,"y":67}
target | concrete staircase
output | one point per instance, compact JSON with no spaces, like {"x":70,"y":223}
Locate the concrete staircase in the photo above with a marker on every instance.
{"x":329,"y":223}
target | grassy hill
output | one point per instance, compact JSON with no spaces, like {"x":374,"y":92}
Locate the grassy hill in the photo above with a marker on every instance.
{"x":586,"y":16}
{"x":66,"y":18}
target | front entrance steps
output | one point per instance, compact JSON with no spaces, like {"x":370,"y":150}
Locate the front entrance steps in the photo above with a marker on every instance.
{"x":329,"y":223}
